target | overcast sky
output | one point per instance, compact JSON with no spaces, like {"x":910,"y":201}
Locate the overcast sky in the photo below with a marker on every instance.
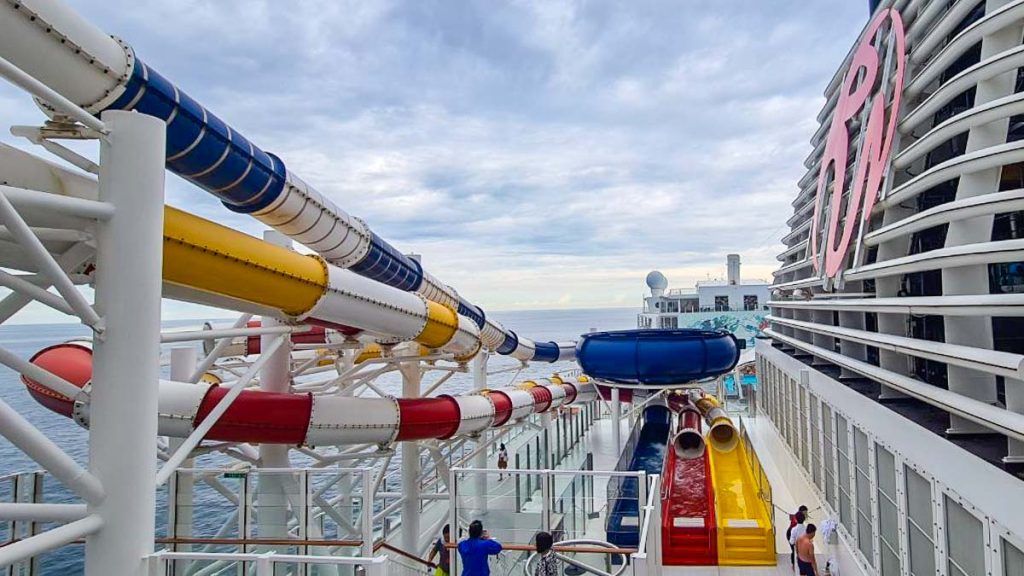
{"x":537,"y":154}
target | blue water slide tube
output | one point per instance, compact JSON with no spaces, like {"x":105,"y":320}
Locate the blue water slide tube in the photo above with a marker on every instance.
{"x":644,"y":452}
{"x":657,"y":357}
{"x":206,"y":151}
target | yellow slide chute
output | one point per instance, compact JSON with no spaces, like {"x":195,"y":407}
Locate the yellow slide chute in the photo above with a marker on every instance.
{"x":206,"y":257}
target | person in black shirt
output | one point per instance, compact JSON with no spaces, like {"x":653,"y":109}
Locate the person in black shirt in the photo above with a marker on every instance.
{"x":444,"y":565}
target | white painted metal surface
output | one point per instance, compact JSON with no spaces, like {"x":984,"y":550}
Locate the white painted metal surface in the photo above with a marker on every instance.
{"x":124,"y":397}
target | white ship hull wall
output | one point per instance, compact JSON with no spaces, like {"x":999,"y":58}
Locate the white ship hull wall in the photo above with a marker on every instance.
{"x":957,"y":477}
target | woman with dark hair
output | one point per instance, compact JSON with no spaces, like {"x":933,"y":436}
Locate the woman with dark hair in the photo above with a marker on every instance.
{"x":502,"y":460}
{"x":547,"y":564}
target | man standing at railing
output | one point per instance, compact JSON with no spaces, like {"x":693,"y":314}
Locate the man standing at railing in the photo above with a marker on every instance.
{"x":443,"y":567}
{"x":475,"y":550}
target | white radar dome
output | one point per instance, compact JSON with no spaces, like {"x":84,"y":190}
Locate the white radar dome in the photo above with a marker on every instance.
{"x":657,"y":282}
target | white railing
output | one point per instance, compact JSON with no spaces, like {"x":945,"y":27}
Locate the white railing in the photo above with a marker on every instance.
{"x":163,"y":563}
{"x":646,"y":561}
{"x":314,"y":503}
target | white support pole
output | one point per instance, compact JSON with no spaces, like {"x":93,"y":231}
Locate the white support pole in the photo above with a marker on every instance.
{"x":71,"y":259}
{"x":218,"y":333}
{"x":126,"y":366}
{"x":52,"y":539}
{"x":271,"y":499}
{"x":26,"y":82}
{"x":44,"y":452}
{"x":410,"y":465}
{"x":548,"y":441}
{"x":616,"y":421}
{"x":41,"y":375}
{"x":480,"y":460}
{"x":12,"y":282}
{"x":546,"y":499}
{"x":218,"y":349}
{"x":367,"y":512}
{"x":453,"y":517}
{"x":45,"y":262}
{"x":28,"y":512}
{"x":180,"y":498}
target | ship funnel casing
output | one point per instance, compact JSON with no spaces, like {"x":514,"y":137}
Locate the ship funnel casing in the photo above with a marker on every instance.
{"x":733,"y":268}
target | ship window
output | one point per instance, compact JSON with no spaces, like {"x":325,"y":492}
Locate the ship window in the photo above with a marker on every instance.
{"x":829,"y":455}
{"x":888,"y":512}
{"x":794,"y":436}
{"x":750,"y":302}
{"x":865,"y":539}
{"x":815,"y":443}
{"x":721,"y":303}
{"x":1006,"y":278}
{"x":804,"y":456}
{"x":1013,"y":559}
{"x":965,"y":543}
{"x":784,"y":408}
{"x":919,"y":524}
{"x":845,"y":489}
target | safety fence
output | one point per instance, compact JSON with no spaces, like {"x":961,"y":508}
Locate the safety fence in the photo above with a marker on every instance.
{"x":570,"y":504}
{"x":647,"y":560}
{"x":285,"y":511}
{"x":165,"y":563}
{"x":552,"y":447}
{"x":764,"y":487}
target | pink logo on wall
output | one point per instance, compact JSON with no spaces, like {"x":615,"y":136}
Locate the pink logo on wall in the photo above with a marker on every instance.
{"x":861,"y":86}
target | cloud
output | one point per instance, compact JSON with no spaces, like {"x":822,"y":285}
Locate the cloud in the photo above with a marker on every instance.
{"x":537,"y":154}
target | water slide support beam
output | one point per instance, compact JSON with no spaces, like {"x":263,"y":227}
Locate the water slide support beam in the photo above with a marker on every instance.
{"x":410,"y":464}
{"x":181,"y":487}
{"x":129,"y":282}
{"x":272,"y":502}
{"x":37,"y":446}
{"x":480,"y":459}
{"x":45,"y":262}
{"x":26,"y":82}
{"x":616,"y":420}
{"x":72,"y":258}
{"x":217,"y":352}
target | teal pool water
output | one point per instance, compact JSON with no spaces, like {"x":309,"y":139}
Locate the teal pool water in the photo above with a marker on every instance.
{"x":749,"y":379}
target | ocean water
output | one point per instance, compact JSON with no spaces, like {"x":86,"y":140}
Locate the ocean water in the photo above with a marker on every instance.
{"x":26,"y":340}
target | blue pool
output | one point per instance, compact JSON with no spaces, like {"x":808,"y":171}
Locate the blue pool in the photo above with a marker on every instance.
{"x":748,"y":379}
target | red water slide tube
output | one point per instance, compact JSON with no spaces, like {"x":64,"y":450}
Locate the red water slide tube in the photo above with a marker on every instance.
{"x":305,"y":419}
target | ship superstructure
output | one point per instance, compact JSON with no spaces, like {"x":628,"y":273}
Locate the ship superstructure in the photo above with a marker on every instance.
{"x":735,"y":304}
{"x":893,"y":361}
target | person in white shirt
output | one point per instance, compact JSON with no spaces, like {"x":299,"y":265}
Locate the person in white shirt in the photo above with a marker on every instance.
{"x":795,"y":533}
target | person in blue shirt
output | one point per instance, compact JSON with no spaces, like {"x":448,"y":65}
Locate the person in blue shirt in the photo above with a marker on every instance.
{"x":475,"y":550}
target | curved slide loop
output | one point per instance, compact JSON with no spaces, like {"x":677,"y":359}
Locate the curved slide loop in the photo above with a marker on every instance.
{"x":58,"y":47}
{"x":657,"y":358}
{"x":305,"y":419}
